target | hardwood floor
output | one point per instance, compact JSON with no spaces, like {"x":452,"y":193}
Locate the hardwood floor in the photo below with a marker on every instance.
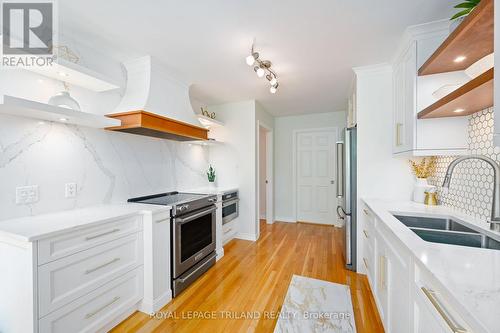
{"x":254,"y":277}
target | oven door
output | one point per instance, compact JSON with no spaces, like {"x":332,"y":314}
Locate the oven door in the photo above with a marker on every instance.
{"x":193,"y":239}
{"x":230,"y":210}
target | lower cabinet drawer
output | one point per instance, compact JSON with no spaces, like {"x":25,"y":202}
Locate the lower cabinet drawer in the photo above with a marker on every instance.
{"x":62,"y":281}
{"x":369,"y":261}
{"x":79,"y":240}
{"x":95,"y":311}
{"x":228,"y":232}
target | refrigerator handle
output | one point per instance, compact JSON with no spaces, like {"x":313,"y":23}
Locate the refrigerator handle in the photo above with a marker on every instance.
{"x":341,"y":212}
{"x":340,"y":170}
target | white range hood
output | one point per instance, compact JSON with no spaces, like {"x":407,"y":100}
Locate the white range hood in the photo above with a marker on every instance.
{"x":156,"y":104}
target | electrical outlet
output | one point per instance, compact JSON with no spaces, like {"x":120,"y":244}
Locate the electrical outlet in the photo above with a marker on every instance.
{"x":26,"y":194}
{"x":70,"y":190}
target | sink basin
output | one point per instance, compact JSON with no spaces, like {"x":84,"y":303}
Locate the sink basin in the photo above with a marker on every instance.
{"x":449,"y":237}
{"x":447,"y":231}
{"x":433,"y":223}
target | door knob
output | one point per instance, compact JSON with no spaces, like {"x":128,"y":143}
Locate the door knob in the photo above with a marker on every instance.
{"x":332,"y":182}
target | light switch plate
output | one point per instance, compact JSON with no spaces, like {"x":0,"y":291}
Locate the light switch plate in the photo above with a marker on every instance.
{"x":71,"y":190}
{"x":26,"y":194}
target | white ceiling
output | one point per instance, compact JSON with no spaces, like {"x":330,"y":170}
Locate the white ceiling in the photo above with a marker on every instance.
{"x":312,"y":44}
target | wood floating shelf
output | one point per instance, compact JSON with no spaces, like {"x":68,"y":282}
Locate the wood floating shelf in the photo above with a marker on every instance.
{"x":21,"y":107}
{"x":472,"y":97}
{"x":150,"y":124}
{"x":472,"y":39}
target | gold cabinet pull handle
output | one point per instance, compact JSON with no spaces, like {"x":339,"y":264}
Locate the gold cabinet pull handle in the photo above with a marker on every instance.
{"x":88,"y":271}
{"x":93,"y":313}
{"x":366,"y":263}
{"x":450,"y":321}
{"x":366,"y":233}
{"x":399,"y":126}
{"x":102,"y":235}
{"x":382,"y":272}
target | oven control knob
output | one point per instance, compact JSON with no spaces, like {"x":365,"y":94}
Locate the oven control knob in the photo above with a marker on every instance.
{"x":183,"y":208}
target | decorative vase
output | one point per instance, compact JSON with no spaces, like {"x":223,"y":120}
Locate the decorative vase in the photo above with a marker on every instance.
{"x":64,"y":100}
{"x":212,"y":184}
{"x":421,"y":186}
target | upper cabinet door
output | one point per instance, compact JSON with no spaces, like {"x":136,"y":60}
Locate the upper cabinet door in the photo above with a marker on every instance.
{"x":412,"y":93}
{"x":351,"y":108}
{"x":404,"y":100}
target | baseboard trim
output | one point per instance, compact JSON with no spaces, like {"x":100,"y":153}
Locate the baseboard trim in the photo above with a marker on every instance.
{"x":317,"y":223}
{"x":149,"y":307}
{"x":220,"y":254}
{"x":285,"y":219}
{"x":246,"y":236}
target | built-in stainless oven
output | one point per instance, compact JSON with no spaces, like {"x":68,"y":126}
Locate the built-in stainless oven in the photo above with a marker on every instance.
{"x":192,"y":234}
{"x":230,"y":206}
{"x":193,"y":246}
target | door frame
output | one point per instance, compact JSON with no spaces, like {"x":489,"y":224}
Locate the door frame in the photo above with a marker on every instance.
{"x":336,"y":134}
{"x":269,"y":175}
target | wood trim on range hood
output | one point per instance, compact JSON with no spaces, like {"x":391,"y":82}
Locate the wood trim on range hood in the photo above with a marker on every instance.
{"x":149,"y":124}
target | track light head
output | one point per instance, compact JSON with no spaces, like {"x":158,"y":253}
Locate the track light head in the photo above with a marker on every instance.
{"x":252,"y":58}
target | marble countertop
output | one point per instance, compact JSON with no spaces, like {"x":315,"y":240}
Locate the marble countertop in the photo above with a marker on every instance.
{"x":32,"y":228}
{"x":212,"y":190}
{"x":470,"y":275}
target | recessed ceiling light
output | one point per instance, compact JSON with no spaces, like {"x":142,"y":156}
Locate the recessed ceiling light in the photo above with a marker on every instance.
{"x":460,"y":58}
{"x":62,"y":74}
{"x":459,"y":110}
{"x":63,"y":119}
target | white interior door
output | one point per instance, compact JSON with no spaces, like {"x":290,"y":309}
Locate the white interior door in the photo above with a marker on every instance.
{"x":316,"y":176}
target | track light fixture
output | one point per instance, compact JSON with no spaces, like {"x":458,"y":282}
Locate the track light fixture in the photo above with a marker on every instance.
{"x":263,"y":69}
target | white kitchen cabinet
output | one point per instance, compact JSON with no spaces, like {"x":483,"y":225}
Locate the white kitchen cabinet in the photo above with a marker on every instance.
{"x":157,"y":290}
{"x":404,"y":87}
{"x":431,"y":308}
{"x":425,"y":320}
{"x":219,"y":242}
{"x":351,"y":107}
{"x":86,"y":279}
{"x":412,"y":93}
{"x":407,"y":297}
{"x":393,"y":281}
{"x":98,"y":310}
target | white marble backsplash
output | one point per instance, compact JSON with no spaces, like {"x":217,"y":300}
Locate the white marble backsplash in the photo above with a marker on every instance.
{"x":108,"y":167}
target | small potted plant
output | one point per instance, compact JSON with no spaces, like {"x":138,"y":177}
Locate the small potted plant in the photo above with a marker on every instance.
{"x":422,"y":171}
{"x":465,"y":8}
{"x":211,"y":176}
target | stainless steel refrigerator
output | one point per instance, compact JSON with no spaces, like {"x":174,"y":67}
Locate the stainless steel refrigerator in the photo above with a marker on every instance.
{"x":346,"y":193}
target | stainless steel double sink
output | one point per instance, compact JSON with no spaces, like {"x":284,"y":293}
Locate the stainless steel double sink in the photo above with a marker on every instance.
{"x":447,"y":231}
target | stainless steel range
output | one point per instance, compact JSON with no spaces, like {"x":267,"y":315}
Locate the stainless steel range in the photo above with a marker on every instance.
{"x":192,"y":234}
